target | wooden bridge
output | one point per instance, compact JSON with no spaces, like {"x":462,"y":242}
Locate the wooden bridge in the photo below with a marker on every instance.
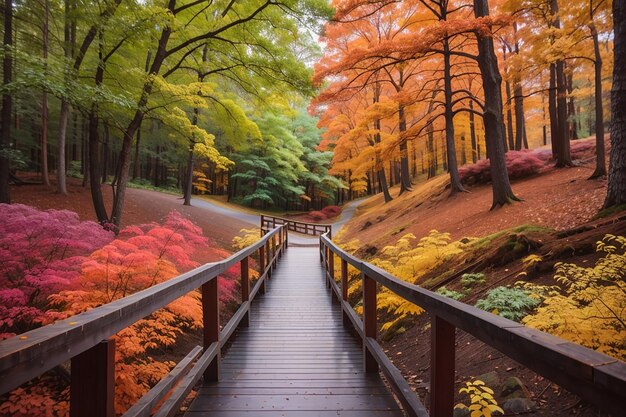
{"x":289,"y":350}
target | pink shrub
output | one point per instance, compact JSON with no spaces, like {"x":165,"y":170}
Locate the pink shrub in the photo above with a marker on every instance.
{"x":317,"y":216}
{"x":331,"y":211}
{"x":520,"y":164}
{"x":41,"y":253}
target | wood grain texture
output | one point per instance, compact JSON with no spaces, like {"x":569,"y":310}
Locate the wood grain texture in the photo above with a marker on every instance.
{"x":295,"y":359}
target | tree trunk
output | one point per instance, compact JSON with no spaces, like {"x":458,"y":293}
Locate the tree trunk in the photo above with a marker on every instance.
{"x":600,"y":170}
{"x":94,"y":167}
{"x":509,"y":117}
{"x":521,"y":141}
{"x":472,"y":131}
{"x":554,"y":123}
{"x":133,"y":126}
{"x":616,"y":191}
{"x":571,"y":108}
{"x":453,"y":169}
{"x":492,"y":113}
{"x":7,"y":102}
{"x":44,"y":99}
{"x":563,"y":158}
{"x":405,"y":175}
{"x":65,"y":106}
{"x":105,"y":154}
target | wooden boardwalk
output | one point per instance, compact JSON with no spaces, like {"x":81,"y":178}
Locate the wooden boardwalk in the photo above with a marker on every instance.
{"x":296,"y":359}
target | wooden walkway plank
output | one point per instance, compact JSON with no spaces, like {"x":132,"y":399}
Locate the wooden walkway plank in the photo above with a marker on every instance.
{"x":296,"y":359}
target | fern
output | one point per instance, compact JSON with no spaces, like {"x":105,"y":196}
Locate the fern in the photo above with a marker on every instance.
{"x":455,"y":295}
{"x":511,"y":303}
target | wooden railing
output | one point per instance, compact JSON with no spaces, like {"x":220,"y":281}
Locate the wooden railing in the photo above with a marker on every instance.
{"x":85,"y":339}
{"x":595,"y":377}
{"x":314,"y":229}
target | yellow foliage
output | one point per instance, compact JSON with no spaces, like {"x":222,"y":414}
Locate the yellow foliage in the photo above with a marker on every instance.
{"x":591,"y":307}
{"x":482,"y":402}
{"x":250,"y":236}
{"x":410,"y":263}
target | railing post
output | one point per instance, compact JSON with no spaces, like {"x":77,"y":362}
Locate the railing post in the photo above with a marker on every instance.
{"x":344,"y":290}
{"x":211,"y":324}
{"x":329,"y":253}
{"x":369,"y":321}
{"x":245,"y":289}
{"x":286,"y":231}
{"x":306,"y":229}
{"x":331,"y":266}
{"x":262,"y":268}
{"x":268,"y":258}
{"x":92,"y":389}
{"x":442,"y":357}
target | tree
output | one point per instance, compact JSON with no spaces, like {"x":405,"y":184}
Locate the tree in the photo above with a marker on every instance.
{"x":7,"y":102}
{"x":616,"y":190}
{"x":600,"y":170}
{"x":492,"y":111}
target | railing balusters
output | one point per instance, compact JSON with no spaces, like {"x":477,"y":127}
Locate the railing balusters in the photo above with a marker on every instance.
{"x":442,"y":357}
{"x":92,"y":389}
{"x":245,"y":288}
{"x":262,"y":268}
{"x":331,"y":266}
{"x":344,"y":290}
{"x":369,"y":321}
{"x":211,"y":324}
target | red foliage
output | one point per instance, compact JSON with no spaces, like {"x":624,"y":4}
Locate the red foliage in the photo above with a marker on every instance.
{"x":519,"y":164}
{"x":52,"y":266}
{"x":41,"y":253}
{"x":331,"y":211}
{"x":317,"y":215}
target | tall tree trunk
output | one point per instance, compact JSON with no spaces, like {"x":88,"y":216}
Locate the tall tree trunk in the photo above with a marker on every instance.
{"x":518,"y":100}
{"x":7,"y":102}
{"x":44,"y":98}
{"x":492,"y":113}
{"x":94,"y":147}
{"x":105,"y":154}
{"x":405,"y":175}
{"x":563,"y":158}
{"x":136,"y":164}
{"x":453,"y":168}
{"x":65,"y":106}
{"x":600,"y":170}
{"x":520,"y":122}
{"x":133,"y":126}
{"x":554,"y":122}
{"x":473,"y":132}
{"x":509,"y":117}
{"x":616,"y":191}
{"x":571,"y":108}
{"x":189,"y":180}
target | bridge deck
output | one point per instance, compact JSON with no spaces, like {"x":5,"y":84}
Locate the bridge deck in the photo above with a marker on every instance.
{"x":295,"y":359}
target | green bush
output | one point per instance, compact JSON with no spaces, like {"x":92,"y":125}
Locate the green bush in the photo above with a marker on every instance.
{"x":455,"y":295}
{"x":511,"y":303}
{"x":469,"y":281}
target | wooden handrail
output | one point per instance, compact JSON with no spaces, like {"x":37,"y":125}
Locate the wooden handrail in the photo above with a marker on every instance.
{"x":595,"y":377}
{"x":314,"y":229}
{"x":30,"y":354}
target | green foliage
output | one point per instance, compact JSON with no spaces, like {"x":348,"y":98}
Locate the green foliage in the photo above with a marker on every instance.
{"x":482,"y":402}
{"x":469,"y":281}
{"x":455,"y":295}
{"x":590,"y":308}
{"x":511,"y":303}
